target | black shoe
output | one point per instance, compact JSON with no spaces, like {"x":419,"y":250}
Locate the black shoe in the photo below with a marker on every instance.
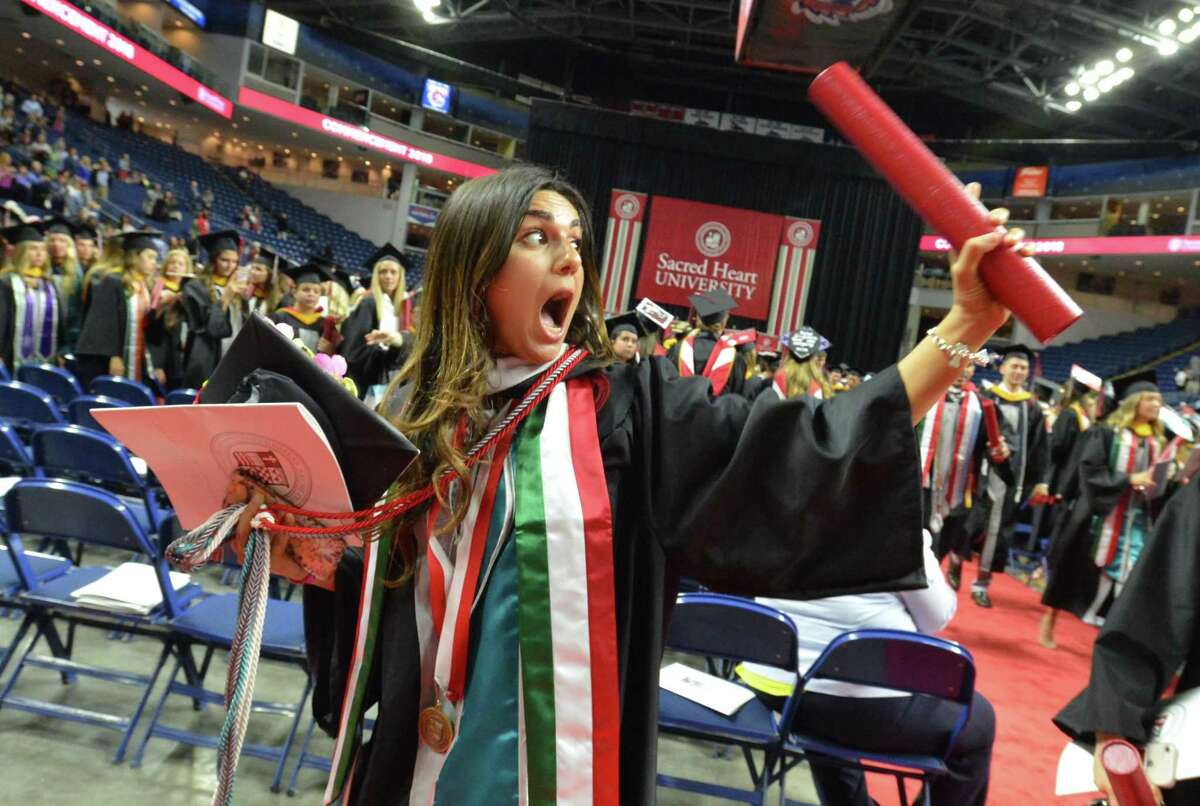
{"x":981,"y":598}
{"x":954,"y":575}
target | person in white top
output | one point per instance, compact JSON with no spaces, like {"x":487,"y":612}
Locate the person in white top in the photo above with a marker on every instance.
{"x":874,"y":719}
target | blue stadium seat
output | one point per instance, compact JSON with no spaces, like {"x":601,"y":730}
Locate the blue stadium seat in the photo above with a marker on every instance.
{"x":132,"y":392}
{"x":26,"y":407}
{"x":79,"y":410}
{"x":55,"y":381}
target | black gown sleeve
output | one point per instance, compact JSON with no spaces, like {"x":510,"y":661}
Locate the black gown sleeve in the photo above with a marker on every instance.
{"x":103,"y":332}
{"x":7,"y":324}
{"x":366,"y":363}
{"x":1150,"y":631}
{"x":1101,"y":486}
{"x":1064,"y":435}
{"x":204,"y":316}
{"x":790,"y":498}
{"x":1040,"y":468}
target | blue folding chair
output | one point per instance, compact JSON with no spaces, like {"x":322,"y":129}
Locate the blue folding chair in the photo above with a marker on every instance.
{"x":79,"y":410}
{"x":55,"y":381}
{"x":181,"y":397}
{"x":714,"y":625}
{"x":65,"y":510}
{"x":921,"y":665}
{"x":96,"y":458}
{"x":132,"y":392}
{"x":5,"y":375}
{"x":27,"y":407}
{"x":210,"y":624}
{"x":15,"y":459}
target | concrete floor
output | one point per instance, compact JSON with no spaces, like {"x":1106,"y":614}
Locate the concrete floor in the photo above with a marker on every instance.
{"x":52,"y":761}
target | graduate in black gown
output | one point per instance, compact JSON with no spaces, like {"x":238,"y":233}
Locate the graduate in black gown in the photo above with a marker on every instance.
{"x":375,"y":336}
{"x":1078,"y":408}
{"x":120,"y":322}
{"x":214,"y":306}
{"x":704,"y":352}
{"x":1098,"y":544}
{"x":306,"y":319}
{"x":622,"y":479}
{"x":625,"y":330}
{"x":1152,"y":634}
{"x":167,"y":348}
{"x":1004,"y":484}
{"x":67,"y":274}
{"x":32,"y":320}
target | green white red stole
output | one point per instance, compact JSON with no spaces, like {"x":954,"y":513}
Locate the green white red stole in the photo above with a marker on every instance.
{"x":554,"y":504}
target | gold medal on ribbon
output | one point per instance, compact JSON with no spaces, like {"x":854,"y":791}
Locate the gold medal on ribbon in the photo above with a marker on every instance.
{"x":435,"y":728}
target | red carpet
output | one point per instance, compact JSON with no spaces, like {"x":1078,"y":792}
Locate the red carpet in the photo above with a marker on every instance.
{"x":1025,"y":683}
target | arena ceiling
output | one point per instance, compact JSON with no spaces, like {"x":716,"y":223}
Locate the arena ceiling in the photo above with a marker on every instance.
{"x":954,"y":68}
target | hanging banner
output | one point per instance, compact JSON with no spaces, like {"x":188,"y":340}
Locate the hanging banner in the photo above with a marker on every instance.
{"x":626,"y":212}
{"x":693,"y":247}
{"x":1031,"y":181}
{"x":793,"y":274}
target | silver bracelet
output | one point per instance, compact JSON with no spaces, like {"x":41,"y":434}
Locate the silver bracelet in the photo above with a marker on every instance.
{"x":958,"y":352}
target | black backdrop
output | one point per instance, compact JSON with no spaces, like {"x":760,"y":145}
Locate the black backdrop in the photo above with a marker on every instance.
{"x":868,"y":244}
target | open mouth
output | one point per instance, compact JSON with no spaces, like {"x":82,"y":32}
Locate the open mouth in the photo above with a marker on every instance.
{"x":554,"y":312}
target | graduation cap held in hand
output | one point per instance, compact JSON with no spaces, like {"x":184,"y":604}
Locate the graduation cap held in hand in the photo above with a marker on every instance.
{"x":263,"y":366}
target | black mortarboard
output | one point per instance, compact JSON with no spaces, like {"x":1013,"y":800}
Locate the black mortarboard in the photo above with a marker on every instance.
{"x":631,"y":321}
{"x":1045,"y":390}
{"x":311,"y":272}
{"x":22,"y":233}
{"x":1014,"y":349}
{"x":57,"y":225}
{"x":804,"y":343}
{"x":226,"y":240}
{"x":343,"y":279}
{"x":268,"y":258}
{"x":137,"y":240}
{"x":262,"y":365}
{"x":711,"y":304}
{"x":1146,"y":381}
{"x":387,"y":251}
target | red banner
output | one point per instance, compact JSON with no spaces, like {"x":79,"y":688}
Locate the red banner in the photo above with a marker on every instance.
{"x":626,"y":212}
{"x":1031,"y":181}
{"x":693,"y":247}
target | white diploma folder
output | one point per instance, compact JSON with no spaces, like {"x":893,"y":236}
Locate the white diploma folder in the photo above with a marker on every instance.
{"x":193,"y":451}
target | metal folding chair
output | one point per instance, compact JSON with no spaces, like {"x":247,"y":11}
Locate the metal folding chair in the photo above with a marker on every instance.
{"x":26,"y":407}
{"x":132,"y":392}
{"x":55,"y":381}
{"x":209,"y":625}
{"x":921,"y":665}
{"x":714,"y":625}
{"x":66,"y":510}
{"x":79,"y":410}
{"x":181,"y":397}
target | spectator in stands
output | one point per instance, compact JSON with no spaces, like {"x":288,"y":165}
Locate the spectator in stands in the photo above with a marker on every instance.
{"x":23,"y":184}
{"x":124,"y":167}
{"x":125,"y":224}
{"x":282,"y":227}
{"x":32,"y":107}
{"x":200,"y":225}
{"x":102,"y":178}
{"x":58,"y":156}
{"x":120,"y":322}
{"x":207,"y":199}
{"x":83,"y":169}
{"x":166,"y":208}
{"x":7,"y":175}
{"x":8,"y":124}
{"x":72,"y":160}
{"x":71,"y":189}
{"x":880,"y":720}
{"x":41,"y":150}
{"x":153,"y":194}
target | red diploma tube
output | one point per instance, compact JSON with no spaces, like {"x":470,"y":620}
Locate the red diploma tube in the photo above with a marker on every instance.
{"x":1123,"y":764}
{"x":1019,"y":283}
{"x":992,"y":423}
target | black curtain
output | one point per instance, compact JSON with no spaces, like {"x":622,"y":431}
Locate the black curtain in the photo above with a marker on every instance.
{"x":868,"y":244}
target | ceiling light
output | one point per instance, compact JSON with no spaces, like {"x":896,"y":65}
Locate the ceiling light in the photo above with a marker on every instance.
{"x":1190,"y":35}
{"x":96,"y":62}
{"x":24,"y":34}
{"x":1124,"y":55}
{"x":79,"y":62}
{"x":1073,"y":106}
{"x":1158,"y":274}
{"x":430,"y":17}
{"x":1105,"y":84}
{"x":1071,"y":89}
{"x":1166,"y":27}
{"x":1125,"y":73}
{"x":1103,"y":68}
{"x":1185,"y":15}
{"x":1087,"y":78}
{"x":1090,"y":94}
{"x":1167,"y":48}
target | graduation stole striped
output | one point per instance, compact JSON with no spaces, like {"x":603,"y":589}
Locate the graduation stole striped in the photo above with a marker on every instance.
{"x":965,"y":431}
{"x":35,"y":333}
{"x":1084,"y":421}
{"x":1123,"y":458}
{"x":562,"y":533}
{"x":137,"y":302}
{"x":719,"y":366}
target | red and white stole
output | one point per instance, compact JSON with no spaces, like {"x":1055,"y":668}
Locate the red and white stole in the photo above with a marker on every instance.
{"x":965,"y":431}
{"x":1122,"y":458}
{"x":719,"y":366}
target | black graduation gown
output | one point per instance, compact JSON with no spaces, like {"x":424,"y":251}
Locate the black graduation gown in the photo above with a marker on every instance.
{"x":104,"y":330}
{"x":1073,"y":574}
{"x":702,"y":351}
{"x":307,"y":332}
{"x":1064,"y":445}
{"x":679,"y":466}
{"x":366,"y":363}
{"x":207,"y":325}
{"x":8,"y":321}
{"x":1036,"y":471}
{"x":1151,"y":630}
{"x":166,"y":349}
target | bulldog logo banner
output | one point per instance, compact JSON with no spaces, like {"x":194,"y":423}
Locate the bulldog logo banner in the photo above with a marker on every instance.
{"x":693,"y":247}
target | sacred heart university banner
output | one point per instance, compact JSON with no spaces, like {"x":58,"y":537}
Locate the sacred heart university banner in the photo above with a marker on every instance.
{"x":693,"y":247}
{"x":626,"y":212}
{"x":793,"y":274}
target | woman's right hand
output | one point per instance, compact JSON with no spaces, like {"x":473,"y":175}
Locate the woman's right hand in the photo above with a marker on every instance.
{"x":1142,"y":481}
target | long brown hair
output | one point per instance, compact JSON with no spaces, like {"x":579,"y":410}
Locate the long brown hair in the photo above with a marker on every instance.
{"x":801,"y":374}
{"x":448,"y":368}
